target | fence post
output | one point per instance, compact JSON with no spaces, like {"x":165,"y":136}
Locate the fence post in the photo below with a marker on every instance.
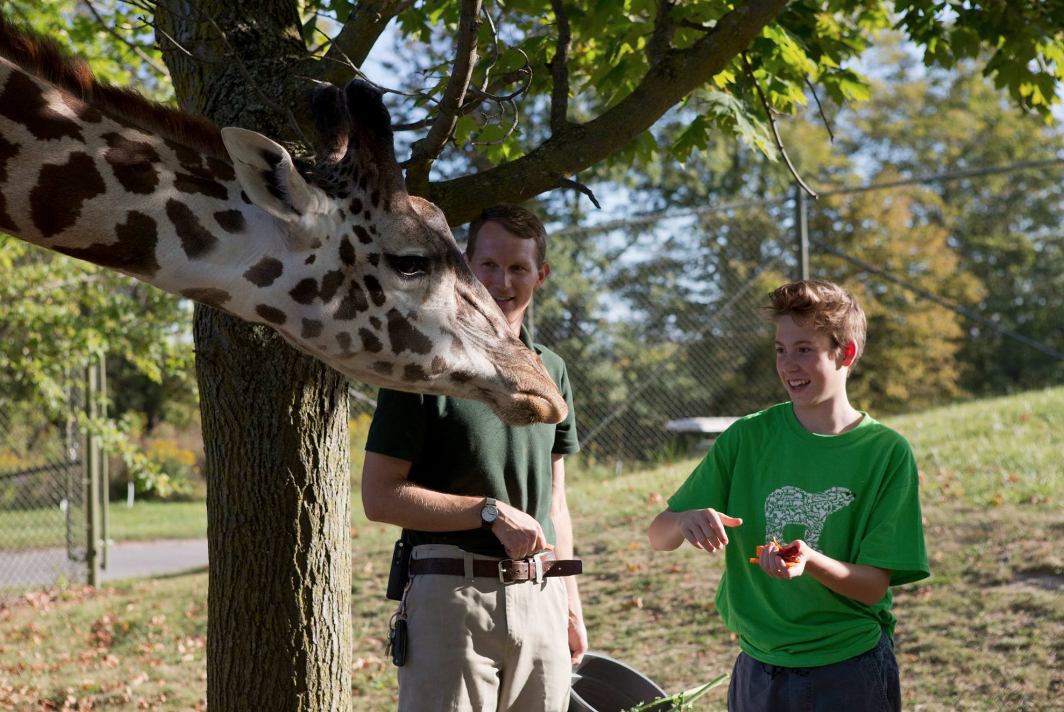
{"x":105,"y":473}
{"x":801,"y":226}
{"x":91,"y":460}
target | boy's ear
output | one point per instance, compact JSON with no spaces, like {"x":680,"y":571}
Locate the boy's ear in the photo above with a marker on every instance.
{"x":849,"y":354}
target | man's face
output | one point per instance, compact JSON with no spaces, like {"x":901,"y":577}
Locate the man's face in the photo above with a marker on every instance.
{"x":506,"y":265}
{"x":805,"y":364}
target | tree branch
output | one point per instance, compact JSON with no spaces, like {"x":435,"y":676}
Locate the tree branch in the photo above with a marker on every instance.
{"x":355,"y":40}
{"x":559,"y":70}
{"x":137,"y":49}
{"x":679,"y":72}
{"x":775,"y":129}
{"x":823,"y":116}
{"x":426,"y":150}
{"x":659,"y":43}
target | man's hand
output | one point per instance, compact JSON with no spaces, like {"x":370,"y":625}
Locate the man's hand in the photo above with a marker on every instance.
{"x":577,"y":638}
{"x":519,"y":532}
{"x":704,"y":528}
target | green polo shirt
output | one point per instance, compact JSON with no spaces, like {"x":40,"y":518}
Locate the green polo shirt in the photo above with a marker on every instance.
{"x":460,"y":446}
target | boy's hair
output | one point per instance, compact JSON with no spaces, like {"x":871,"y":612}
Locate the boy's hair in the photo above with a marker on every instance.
{"x":834,"y":312}
{"x":516,"y":220}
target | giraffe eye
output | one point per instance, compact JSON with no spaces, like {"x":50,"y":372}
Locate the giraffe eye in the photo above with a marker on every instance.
{"x":409,"y":266}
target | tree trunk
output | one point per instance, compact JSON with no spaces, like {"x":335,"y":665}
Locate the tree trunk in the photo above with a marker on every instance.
{"x":274,"y":427}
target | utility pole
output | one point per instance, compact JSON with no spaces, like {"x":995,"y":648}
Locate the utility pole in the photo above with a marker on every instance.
{"x":801,"y":226}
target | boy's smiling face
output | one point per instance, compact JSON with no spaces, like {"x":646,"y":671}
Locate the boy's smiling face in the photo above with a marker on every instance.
{"x":811,"y":373}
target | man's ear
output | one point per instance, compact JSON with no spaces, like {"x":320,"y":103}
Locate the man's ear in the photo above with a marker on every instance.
{"x":544,"y":271}
{"x":268,"y":176}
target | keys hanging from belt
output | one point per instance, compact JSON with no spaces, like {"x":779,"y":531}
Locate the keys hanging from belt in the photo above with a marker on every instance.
{"x":396,"y":647}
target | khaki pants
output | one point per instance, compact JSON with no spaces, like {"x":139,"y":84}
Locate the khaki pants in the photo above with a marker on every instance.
{"x":482,"y":646}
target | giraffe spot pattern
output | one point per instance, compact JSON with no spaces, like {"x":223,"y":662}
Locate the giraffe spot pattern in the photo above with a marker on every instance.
{"x":133,"y":253}
{"x":305,"y":292}
{"x":375,"y":323}
{"x":310,"y":260}
{"x":793,"y":505}
{"x":22,"y":101}
{"x":343,"y":340}
{"x":330,"y":283}
{"x":311,"y":329}
{"x":8,"y":151}
{"x":461,"y":377}
{"x":271,"y":314}
{"x":362,"y":235}
{"x":232,"y":221}
{"x":413,"y":373}
{"x":404,"y":337}
{"x":85,"y":112}
{"x":191,"y":184}
{"x":356,"y":206}
{"x":214,"y":298}
{"x":132,"y":163}
{"x":374,"y":258}
{"x":196,"y":240}
{"x":370,"y":342}
{"x":265,"y":272}
{"x":347,"y":251}
{"x":382,"y":367}
{"x":437,"y":366}
{"x":61,"y":189}
{"x":353,"y":303}
{"x":376,"y":292}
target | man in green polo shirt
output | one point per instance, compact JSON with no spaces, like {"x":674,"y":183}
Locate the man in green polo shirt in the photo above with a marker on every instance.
{"x":471,"y":491}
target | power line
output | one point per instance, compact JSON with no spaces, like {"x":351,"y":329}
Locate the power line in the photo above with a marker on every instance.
{"x":963,"y":311}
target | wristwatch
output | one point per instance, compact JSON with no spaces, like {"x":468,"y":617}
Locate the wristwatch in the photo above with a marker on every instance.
{"x":488,"y":514}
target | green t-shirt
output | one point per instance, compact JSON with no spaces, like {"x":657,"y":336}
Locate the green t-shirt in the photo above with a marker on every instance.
{"x":853,"y":497}
{"x":460,"y":446}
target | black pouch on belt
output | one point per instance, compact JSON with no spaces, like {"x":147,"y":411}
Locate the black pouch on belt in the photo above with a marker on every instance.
{"x":400,"y":569}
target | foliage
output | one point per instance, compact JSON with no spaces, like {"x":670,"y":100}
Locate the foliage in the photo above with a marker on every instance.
{"x":614,"y":47}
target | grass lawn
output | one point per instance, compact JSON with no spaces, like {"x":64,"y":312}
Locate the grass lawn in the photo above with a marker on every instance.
{"x":42,"y":528}
{"x":986,"y":632}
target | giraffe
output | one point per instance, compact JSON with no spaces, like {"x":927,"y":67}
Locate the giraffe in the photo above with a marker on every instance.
{"x":336,"y":256}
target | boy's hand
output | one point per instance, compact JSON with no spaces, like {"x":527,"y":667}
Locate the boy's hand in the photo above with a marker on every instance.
{"x":704,"y":528}
{"x":775,"y":565}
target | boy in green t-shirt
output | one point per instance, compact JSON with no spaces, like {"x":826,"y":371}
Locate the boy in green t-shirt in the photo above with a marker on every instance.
{"x":816,"y":508}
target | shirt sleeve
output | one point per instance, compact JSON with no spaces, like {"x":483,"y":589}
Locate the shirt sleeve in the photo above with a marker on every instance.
{"x":894,"y":538}
{"x":709,"y":483}
{"x":398,"y":427}
{"x":566,"y":441}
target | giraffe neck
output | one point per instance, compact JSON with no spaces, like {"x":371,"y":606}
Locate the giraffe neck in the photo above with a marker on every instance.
{"x":76,"y":181}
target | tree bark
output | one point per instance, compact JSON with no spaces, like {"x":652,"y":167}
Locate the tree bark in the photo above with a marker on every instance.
{"x":274,"y":423}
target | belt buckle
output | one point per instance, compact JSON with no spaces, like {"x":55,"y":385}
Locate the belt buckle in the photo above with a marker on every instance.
{"x":507,"y":576}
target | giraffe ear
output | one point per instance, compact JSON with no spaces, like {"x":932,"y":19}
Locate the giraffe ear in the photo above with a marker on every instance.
{"x":268,"y":176}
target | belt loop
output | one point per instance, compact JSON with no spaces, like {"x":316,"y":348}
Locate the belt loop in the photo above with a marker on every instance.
{"x":468,"y":567}
{"x":535,"y":568}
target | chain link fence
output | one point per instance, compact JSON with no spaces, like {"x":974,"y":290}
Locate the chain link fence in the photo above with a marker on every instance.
{"x":42,"y":493}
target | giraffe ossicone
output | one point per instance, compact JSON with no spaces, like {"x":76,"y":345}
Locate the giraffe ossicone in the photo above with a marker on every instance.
{"x":337,"y":256}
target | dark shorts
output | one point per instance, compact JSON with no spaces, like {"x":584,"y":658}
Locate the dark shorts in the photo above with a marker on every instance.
{"x":865,"y":683}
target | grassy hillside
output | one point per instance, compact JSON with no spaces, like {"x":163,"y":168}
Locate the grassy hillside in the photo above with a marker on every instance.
{"x":985,"y":633}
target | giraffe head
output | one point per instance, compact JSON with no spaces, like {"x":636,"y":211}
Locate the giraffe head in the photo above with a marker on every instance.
{"x":337,"y":257}
{"x":370,"y":279}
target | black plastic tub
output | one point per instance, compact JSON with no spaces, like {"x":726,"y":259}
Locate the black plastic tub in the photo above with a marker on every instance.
{"x":602,"y":684}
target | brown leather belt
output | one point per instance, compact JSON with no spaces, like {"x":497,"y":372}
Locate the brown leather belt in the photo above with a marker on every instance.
{"x":506,"y":570}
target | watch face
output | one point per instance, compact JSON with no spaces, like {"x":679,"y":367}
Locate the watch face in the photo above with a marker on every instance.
{"x":488,"y":514}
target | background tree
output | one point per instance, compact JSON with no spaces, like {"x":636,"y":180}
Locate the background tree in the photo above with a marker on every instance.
{"x":594,"y":78}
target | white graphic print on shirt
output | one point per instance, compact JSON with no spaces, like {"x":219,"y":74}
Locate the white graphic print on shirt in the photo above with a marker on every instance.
{"x":792,"y":505}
